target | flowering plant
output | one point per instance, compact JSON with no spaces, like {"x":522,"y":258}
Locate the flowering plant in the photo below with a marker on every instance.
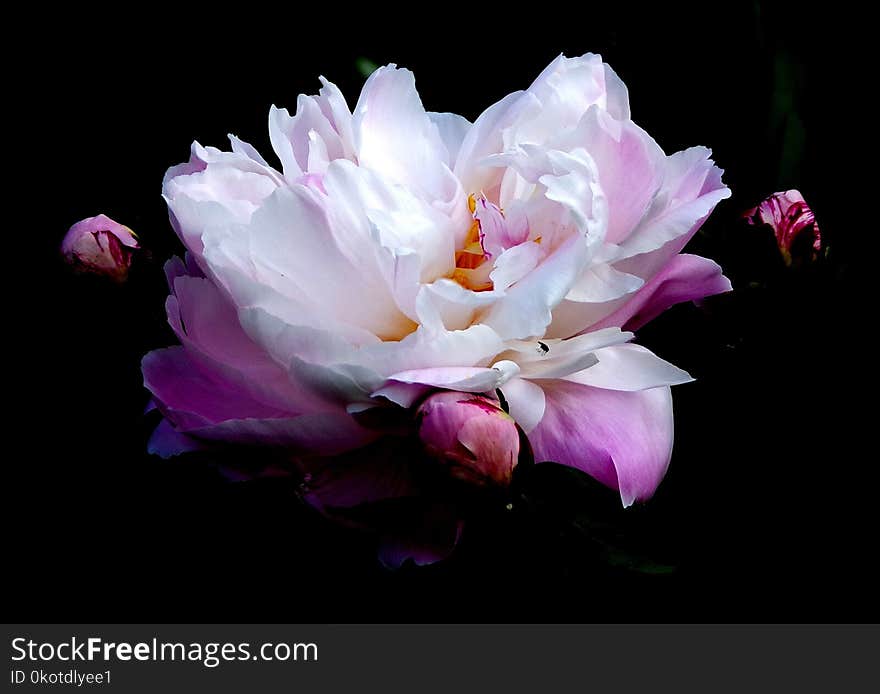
{"x":413,"y":296}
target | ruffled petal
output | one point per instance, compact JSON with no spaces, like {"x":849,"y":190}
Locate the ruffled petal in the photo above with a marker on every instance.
{"x":565,"y":89}
{"x":307,"y":141}
{"x":291,"y":237}
{"x":395,"y":137}
{"x":215,"y":189}
{"x":691,"y":190}
{"x":631,"y":167}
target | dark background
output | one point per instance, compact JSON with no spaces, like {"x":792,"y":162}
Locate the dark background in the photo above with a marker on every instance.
{"x":768,"y":510}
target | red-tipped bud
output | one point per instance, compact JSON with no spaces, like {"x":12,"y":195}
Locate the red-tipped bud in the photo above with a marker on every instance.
{"x":793,"y":223}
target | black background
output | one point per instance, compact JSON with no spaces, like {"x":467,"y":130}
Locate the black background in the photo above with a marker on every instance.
{"x":768,"y":510}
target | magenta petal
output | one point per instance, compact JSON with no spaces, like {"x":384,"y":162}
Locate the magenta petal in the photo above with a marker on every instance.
{"x":191,"y":398}
{"x":685,"y":278}
{"x":166,"y":441}
{"x":206,"y":406}
{"x":622,"y":439}
{"x":324,"y":433}
{"x":367,"y":476}
{"x":429,"y":534}
{"x":378,"y":488}
{"x":209,"y":329}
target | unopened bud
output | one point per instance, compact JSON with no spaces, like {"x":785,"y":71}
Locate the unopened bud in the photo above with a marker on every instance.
{"x":472,"y":435}
{"x":101,"y":246}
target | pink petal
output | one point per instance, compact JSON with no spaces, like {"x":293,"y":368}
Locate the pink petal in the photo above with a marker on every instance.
{"x":209,"y":328}
{"x":691,"y":190}
{"x":685,"y":278}
{"x":630,"y":163}
{"x":623,"y":439}
{"x":191,"y":398}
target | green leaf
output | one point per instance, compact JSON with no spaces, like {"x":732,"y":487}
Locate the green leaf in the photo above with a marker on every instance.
{"x":365,"y":66}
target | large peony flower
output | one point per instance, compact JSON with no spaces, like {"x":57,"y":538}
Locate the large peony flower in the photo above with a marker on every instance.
{"x":398,"y":252}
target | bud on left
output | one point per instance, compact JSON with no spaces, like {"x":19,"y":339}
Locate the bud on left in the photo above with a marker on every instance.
{"x":101,"y":246}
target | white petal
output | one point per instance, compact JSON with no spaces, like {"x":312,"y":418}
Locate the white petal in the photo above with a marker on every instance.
{"x":525,"y":401}
{"x":395,"y":137}
{"x":466,"y":379}
{"x":485,"y":138}
{"x":574,"y":184}
{"x":515,"y":263}
{"x":295,"y":138}
{"x":526,"y":309}
{"x":247,"y":150}
{"x":364,"y":205}
{"x":630,"y":368}
{"x":565,"y":90}
{"x":446,"y":303}
{"x":453,"y":129}
{"x":291,"y":236}
{"x":336,"y":110}
{"x":601,"y":283}
{"x":557,"y":358}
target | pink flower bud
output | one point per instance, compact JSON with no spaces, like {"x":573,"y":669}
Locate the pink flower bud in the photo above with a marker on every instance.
{"x":100,"y":245}
{"x":471,"y":434}
{"x":793,"y":223}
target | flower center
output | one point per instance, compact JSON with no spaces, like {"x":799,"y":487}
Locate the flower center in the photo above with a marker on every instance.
{"x":471,"y":269}
{"x":491,"y":234}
